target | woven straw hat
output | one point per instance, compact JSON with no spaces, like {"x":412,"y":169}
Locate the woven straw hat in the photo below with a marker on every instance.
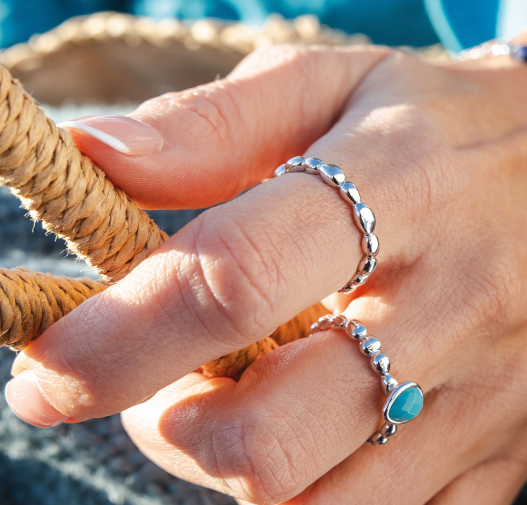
{"x":110,"y":57}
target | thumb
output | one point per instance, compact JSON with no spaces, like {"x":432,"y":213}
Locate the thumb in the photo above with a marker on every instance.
{"x":205,"y":145}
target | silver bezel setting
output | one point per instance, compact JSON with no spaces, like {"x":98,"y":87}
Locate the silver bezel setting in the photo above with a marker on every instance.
{"x":394,"y":395}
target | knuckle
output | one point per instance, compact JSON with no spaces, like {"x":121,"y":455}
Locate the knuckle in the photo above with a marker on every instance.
{"x":418,"y":166}
{"x":70,"y":394}
{"x":253,"y":453}
{"x":211,"y":105}
{"x":211,"y":110}
{"x":240,"y":277}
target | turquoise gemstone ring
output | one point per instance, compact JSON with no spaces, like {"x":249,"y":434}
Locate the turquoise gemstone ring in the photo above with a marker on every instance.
{"x":404,"y":401}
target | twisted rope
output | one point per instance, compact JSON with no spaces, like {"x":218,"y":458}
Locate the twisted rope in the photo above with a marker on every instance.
{"x":31,"y":302}
{"x":100,"y":224}
{"x":66,"y":191}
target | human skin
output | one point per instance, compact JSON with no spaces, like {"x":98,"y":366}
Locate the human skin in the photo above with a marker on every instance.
{"x":439,"y":152}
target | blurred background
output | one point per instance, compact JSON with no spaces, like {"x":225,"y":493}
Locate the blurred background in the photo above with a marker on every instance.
{"x":83,"y":57}
{"x":20,"y":19}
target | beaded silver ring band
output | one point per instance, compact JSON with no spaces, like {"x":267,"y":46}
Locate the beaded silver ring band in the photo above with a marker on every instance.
{"x":404,"y":401}
{"x":364,"y":217}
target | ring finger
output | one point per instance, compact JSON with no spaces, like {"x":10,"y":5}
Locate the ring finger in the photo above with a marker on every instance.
{"x":294,"y":417}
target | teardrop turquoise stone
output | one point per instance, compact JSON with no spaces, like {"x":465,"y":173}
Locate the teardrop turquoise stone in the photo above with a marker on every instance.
{"x":407,"y":405}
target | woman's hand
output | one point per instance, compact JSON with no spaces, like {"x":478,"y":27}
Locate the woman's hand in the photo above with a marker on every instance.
{"x":439,"y":152}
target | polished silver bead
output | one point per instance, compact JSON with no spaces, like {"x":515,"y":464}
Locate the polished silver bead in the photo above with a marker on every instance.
{"x":347,"y":289}
{"x":358,"y":279}
{"x":295,"y":164}
{"x":364,"y":217}
{"x":324,"y":322}
{"x":338,"y":322}
{"x":315,"y":328}
{"x":381,"y":364}
{"x":370,"y":244}
{"x":388,"y":384}
{"x":367,"y":265}
{"x":280,"y":170}
{"x":311,"y":165}
{"x":389,"y":430}
{"x":370,"y":346}
{"x":349,"y":192}
{"x":332,"y":175}
{"x":356,"y":330}
{"x":378,"y":438}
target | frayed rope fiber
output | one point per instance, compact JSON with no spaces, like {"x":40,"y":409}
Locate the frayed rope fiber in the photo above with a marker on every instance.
{"x":100,"y":224}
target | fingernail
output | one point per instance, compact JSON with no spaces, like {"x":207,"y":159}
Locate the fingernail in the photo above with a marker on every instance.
{"x":124,"y":134}
{"x":25,"y":399}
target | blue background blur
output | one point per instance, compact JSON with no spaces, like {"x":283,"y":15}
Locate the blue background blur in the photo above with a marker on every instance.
{"x":457,"y":23}
{"x":19,"y":19}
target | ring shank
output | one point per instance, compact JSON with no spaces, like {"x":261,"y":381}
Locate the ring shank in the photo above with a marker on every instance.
{"x":363,"y":216}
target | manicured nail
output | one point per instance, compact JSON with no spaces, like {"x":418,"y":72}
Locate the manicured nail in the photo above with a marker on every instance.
{"x":124,"y":134}
{"x":25,"y":399}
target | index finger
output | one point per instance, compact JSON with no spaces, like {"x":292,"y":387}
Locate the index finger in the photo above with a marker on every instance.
{"x":220,"y":284}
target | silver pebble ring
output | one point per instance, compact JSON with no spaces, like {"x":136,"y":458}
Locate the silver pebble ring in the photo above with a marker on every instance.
{"x":404,"y":401}
{"x":364,"y":218}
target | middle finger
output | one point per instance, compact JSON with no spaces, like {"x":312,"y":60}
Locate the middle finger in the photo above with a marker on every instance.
{"x":220,"y":284}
